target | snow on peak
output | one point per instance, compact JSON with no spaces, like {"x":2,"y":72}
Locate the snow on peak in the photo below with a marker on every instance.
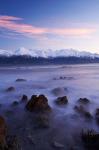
{"x":22,"y":51}
{"x":48,"y":53}
{"x":53,"y":53}
{"x":5,"y":52}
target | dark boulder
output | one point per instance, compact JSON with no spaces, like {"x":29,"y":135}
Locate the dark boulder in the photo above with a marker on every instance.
{"x":38,"y":103}
{"x":84,"y":101}
{"x":20,"y":80}
{"x":10,"y":89}
{"x":61,"y":100}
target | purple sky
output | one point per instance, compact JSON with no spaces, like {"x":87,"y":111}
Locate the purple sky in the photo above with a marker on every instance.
{"x":54,"y":24}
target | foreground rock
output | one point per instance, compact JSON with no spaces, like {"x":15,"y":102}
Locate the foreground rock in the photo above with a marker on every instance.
{"x":61,"y":100}
{"x":84,"y":101}
{"x":90,"y":140}
{"x":20,"y":80}
{"x":10,"y":89}
{"x":3,"y":132}
{"x":7,"y":142}
{"x":38,"y":103}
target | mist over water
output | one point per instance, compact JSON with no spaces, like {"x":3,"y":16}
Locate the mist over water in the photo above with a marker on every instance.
{"x":74,"y":81}
{"x":80,"y":81}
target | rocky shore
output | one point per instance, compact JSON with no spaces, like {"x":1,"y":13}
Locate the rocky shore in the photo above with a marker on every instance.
{"x":31,"y":124}
{"x":49,"y":108}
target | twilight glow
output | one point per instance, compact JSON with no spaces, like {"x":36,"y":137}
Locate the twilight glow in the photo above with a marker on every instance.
{"x":49,"y":24}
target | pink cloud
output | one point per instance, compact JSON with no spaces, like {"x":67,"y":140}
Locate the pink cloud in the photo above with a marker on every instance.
{"x":15,"y":25}
{"x":9,"y":18}
{"x":10,"y":23}
{"x":73,"y":32}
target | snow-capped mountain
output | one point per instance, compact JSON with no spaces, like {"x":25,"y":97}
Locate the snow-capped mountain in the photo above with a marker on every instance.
{"x":48,"y":53}
{"x":5,"y":53}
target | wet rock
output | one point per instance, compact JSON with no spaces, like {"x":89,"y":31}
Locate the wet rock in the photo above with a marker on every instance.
{"x":15,"y":103}
{"x":57,"y":145}
{"x":84,"y":101}
{"x":59,"y":91}
{"x":90,"y":140}
{"x":42,"y":121}
{"x":3,"y":132}
{"x":24,"y":99}
{"x":20,"y":80}
{"x":38,"y":103}
{"x":61,"y":100}
{"x":10,"y":89}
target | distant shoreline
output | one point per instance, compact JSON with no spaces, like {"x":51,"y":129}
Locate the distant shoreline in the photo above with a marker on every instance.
{"x":34,"y":61}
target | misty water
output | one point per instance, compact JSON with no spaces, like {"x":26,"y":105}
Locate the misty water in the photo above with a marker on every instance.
{"x":74,"y":81}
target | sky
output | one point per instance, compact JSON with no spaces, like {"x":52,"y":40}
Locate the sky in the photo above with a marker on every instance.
{"x":49,"y":24}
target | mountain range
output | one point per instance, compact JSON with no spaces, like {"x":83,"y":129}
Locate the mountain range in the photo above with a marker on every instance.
{"x":47,"y":53}
{"x":23,"y":56}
